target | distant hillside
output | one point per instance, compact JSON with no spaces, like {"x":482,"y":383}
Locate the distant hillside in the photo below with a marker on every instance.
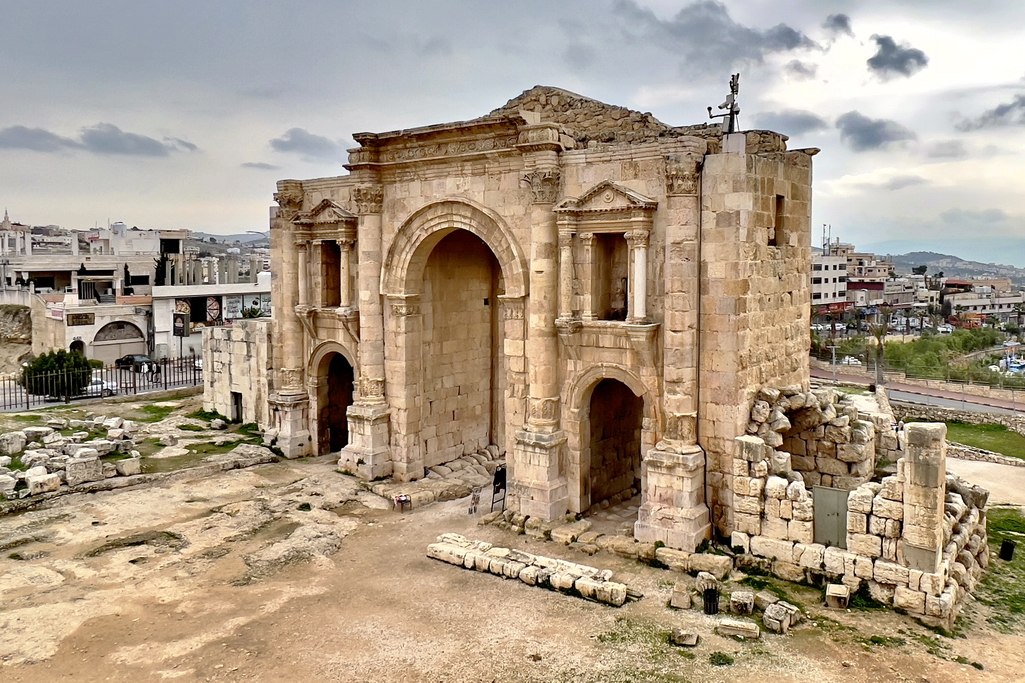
{"x":953,"y":266}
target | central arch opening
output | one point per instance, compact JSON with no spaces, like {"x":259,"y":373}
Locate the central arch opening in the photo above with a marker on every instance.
{"x":335,"y":387}
{"x":614,"y":442}
{"x":463,"y":375}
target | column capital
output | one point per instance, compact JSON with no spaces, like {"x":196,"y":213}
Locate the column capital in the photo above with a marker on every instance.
{"x":302,"y":245}
{"x":682,"y":174}
{"x":289,"y":198}
{"x":586,"y":238}
{"x":637,"y":239}
{"x":371,"y":390}
{"x":346,"y":243}
{"x":544,"y":185}
{"x":368,"y":198}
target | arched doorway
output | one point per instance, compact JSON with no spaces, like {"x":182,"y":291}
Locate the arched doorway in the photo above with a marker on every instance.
{"x":613,"y":441}
{"x":461,"y":368}
{"x":77,"y":346}
{"x":116,"y":339}
{"x":335,"y":379}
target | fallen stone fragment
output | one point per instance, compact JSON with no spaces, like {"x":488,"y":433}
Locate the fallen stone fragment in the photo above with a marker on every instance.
{"x":742,"y":602}
{"x":738,"y":628}
{"x":681,"y":598}
{"x":683,"y":638}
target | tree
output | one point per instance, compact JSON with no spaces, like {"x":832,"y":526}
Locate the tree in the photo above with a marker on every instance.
{"x":878,"y":331}
{"x":919,"y":270}
{"x":57,"y":373}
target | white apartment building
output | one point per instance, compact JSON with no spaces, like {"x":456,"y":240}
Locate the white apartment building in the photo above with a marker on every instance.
{"x":828,"y":283}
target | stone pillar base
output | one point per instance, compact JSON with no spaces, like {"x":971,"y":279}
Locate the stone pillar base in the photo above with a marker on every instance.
{"x":538,"y":487}
{"x":368,"y":454}
{"x":673,"y":508}
{"x":290,"y":420}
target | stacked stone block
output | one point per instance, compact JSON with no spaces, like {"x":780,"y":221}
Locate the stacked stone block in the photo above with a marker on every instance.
{"x":534,"y":570}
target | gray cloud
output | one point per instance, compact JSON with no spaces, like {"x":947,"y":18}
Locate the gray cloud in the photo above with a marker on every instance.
{"x":947,"y":149}
{"x":705,"y":35}
{"x":579,"y":56}
{"x":434,"y":47}
{"x":35,"y":139}
{"x":102,"y":138}
{"x":863,"y":133}
{"x":837,"y":24}
{"x":962,"y":217}
{"x":259,"y":165}
{"x":790,"y":121}
{"x":309,"y":145}
{"x":893,"y":60}
{"x":1008,"y":114}
{"x":801,"y":70}
{"x":901,"y":181}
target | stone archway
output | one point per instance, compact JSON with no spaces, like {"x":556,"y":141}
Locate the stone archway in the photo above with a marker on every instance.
{"x":332,"y":382}
{"x":449,"y":269}
{"x":77,"y":346}
{"x":606,"y":407}
{"x":613,"y":444}
{"x":116,"y":339}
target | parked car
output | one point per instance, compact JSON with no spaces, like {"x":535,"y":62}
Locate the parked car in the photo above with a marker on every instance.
{"x":133,"y":361}
{"x":95,"y":387}
{"x":198,"y":364}
{"x":945,"y":329}
{"x":849,"y":360}
{"x":1011,"y":342}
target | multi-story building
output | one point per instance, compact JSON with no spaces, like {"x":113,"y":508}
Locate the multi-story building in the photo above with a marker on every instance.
{"x":828,"y":284}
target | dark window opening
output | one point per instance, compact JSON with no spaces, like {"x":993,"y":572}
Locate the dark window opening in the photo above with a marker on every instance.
{"x":776,"y":237}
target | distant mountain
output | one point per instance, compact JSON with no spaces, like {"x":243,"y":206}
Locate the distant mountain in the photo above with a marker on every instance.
{"x":954,"y":266}
{"x":244,"y":237}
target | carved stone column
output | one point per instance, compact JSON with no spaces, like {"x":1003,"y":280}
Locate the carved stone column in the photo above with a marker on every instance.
{"x":403,"y":367}
{"x":368,"y":453}
{"x":289,"y":401}
{"x":540,"y":482}
{"x":638,"y":246}
{"x":565,"y":275}
{"x":304,"y":276}
{"x":344,"y":276}
{"x":587,"y":311}
{"x":673,"y":508}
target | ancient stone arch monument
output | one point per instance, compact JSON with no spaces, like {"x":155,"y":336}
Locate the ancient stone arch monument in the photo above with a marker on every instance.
{"x":591,"y":292}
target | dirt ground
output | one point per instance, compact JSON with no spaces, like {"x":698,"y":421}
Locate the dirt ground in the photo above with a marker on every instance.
{"x":291,"y":571}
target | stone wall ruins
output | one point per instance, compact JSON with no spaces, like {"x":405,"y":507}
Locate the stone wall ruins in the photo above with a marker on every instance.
{"x":915,"y":539}
{"x":237,"y":360}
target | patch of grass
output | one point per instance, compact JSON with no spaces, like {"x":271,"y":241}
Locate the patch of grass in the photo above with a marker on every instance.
{"x":210,"y":448}
{"x":252,"y":429}
{"x":155,"y":412}
{"x":207,"y":415}
{"x":862,"y":599}
{"x":720,"y":659}
{"x":1002,"y":587}
{"x":30,"y":418}
{"x":760,"y":583}
{"x":17,"y":464}
{"x":651,"y":641}
{"x":991,"y":437}
{"x":148,"y":447}
{"x":852,"y":390}
{"x":884,"y":641}
{"x":191,"y":428}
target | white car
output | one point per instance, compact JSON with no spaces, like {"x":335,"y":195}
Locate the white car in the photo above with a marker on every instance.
{"x":850,"y":360}
{"x":1011,"y":342}
{"x":945,"y":329}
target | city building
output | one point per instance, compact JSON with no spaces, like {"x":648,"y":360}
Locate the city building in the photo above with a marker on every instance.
{"x":828,"y":284}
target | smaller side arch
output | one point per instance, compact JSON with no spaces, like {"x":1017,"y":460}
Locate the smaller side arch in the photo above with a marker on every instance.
{"x":578,"y":392}
{"x":323,"y":350}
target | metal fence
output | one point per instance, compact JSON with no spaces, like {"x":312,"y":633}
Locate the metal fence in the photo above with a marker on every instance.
{"x":28,"y":390}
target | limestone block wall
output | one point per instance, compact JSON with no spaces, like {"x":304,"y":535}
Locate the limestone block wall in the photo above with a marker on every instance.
{"x":238,"y":359}
{"x":755,"y":300}
{"x":913,"y":541}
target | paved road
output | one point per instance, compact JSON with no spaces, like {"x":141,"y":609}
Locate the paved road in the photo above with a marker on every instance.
{"x":931,"y":395}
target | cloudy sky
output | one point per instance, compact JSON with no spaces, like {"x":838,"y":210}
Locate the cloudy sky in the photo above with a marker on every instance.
{"x":185,"y":114}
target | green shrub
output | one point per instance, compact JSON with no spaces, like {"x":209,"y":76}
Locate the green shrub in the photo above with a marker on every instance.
{"x":56,"y":373}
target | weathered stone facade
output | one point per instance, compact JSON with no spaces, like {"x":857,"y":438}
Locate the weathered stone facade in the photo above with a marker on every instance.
{"x":596,"y":293}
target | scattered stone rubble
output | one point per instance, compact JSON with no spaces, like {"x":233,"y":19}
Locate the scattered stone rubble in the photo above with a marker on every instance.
{"x":534,"y":570}
{"x":52,"y":459}
{"x":577,"y":534}
{"x":454,"y":479}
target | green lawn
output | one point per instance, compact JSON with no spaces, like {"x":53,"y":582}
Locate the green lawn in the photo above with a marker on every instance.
{"x":992,"y":437}
{"x":1003,"y":585}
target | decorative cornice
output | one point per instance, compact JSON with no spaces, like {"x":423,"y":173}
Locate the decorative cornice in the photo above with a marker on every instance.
{"x":682,"y":174}
{"x":544,"y":185}
{"x":368,"y":198}
{"x":540,"y":138}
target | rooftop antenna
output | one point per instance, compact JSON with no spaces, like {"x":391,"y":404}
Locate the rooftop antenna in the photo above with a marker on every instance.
{"x":731,"y":107}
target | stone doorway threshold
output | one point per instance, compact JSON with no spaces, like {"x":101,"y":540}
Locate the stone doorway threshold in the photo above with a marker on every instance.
{"x":616,"y":520}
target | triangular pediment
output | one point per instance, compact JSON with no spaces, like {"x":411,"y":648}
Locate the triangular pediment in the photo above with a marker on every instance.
{"x":325,"y":213}
{"x":607,"y":196}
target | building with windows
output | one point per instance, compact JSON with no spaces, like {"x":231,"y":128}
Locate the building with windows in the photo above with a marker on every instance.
{"x":593,"y":293}
{"x":828,"y":284}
